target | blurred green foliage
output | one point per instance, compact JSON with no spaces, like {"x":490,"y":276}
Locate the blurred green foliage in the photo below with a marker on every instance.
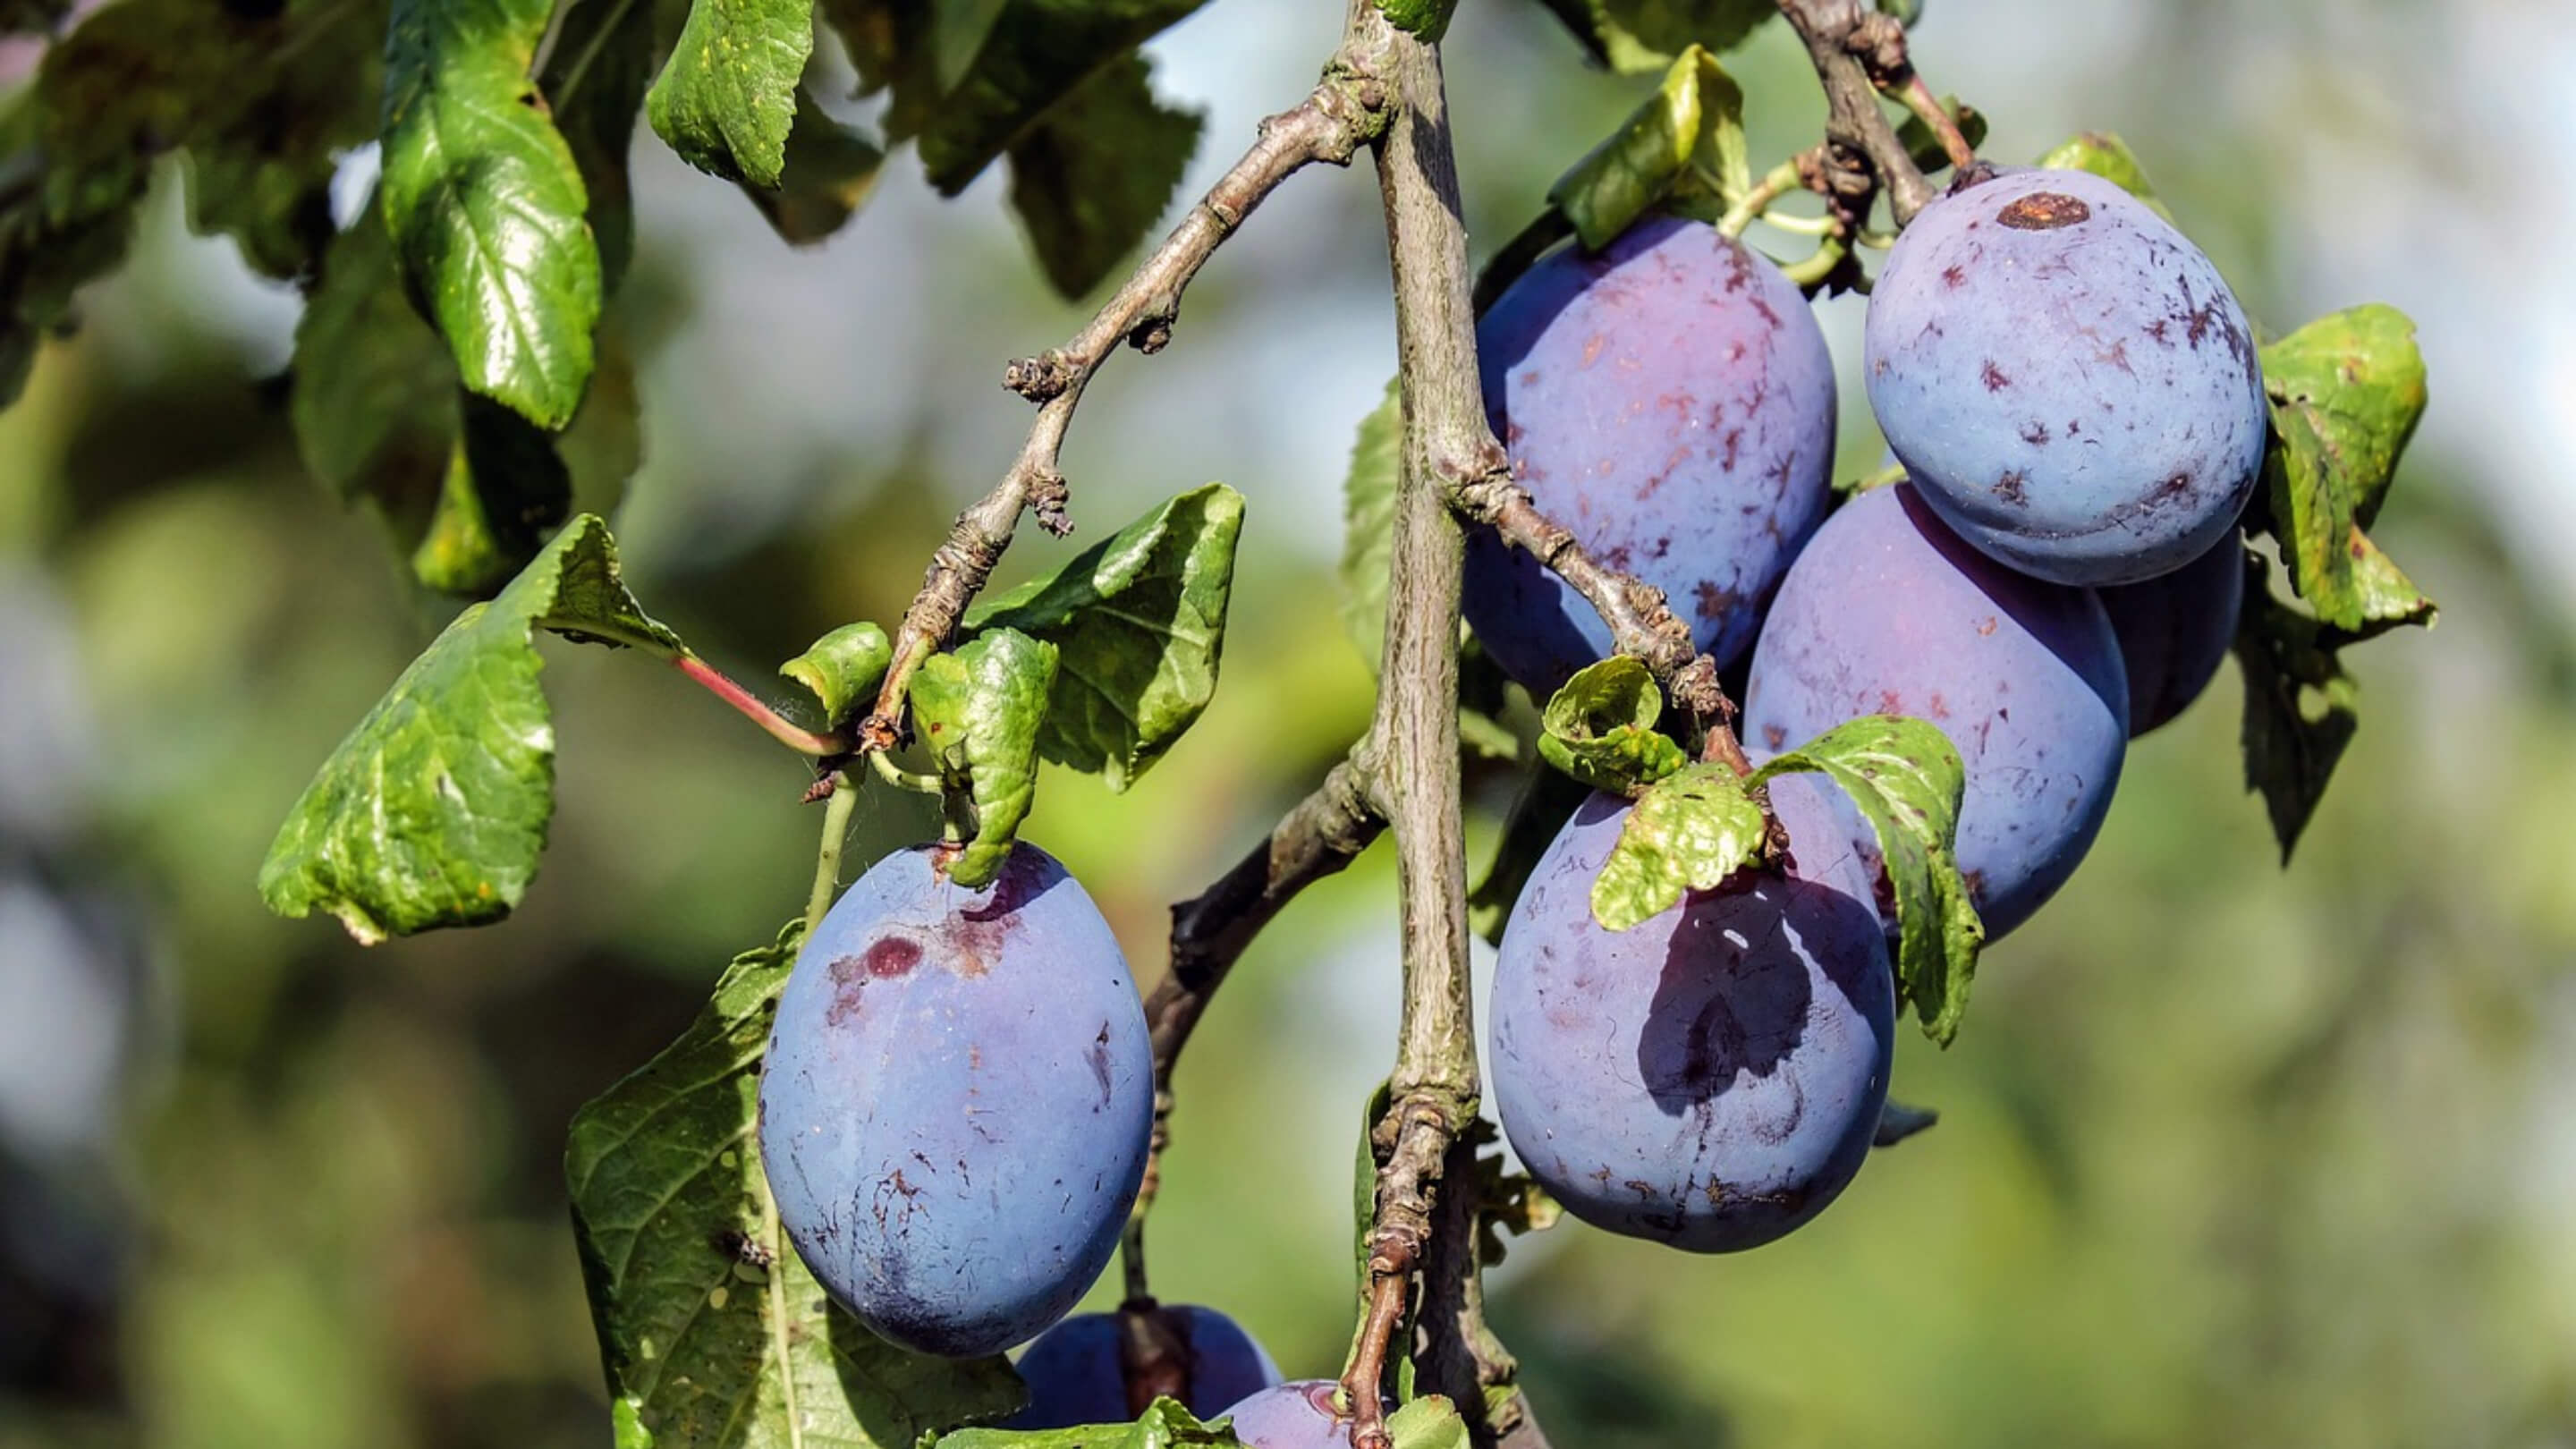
{"x":2227,"y":1154}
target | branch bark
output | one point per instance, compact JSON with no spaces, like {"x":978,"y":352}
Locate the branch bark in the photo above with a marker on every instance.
{"x":1317,"y":837}
{"x":1434,"y":1087}
{"x":1847,"y":40}
{"x":1343,"y":112}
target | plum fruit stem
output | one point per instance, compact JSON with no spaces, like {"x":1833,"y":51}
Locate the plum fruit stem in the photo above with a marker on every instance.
{"x":837,"y":809}
{"x":1344,"y":110}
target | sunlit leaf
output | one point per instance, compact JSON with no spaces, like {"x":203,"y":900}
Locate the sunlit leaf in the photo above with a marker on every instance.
{"x":1600,"y":728}
{"x":978,"y":712}
{"x":727,"y":97}
{"x":1907,"y":779}
{"x":1689,"y":831}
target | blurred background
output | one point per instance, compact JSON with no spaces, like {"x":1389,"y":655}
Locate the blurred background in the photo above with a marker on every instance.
{"x":2228,"y":1154}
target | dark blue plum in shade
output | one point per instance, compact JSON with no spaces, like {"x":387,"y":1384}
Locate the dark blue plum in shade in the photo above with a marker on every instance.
{"x":1711,"y":1077}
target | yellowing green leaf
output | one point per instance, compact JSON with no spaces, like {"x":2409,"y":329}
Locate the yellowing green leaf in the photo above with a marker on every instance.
{"x":727,"y":97}
{"x":1689,"y":831}
{"x":841,"y":669}
{"x":1907,"y":779}
{"x":1694,"y":119}
{"x":2346,"y":391}
{"x":1600,"y":728}
{"x":978,"y":712}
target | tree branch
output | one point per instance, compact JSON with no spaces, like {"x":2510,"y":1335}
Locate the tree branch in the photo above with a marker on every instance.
{"x":1344,"y":111}
{"x":1849,"y":42}
{"x":1317,"y":837}
{"x":1434,"y":1087}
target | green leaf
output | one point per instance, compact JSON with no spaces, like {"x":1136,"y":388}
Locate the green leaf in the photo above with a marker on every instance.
{"x":1907,"y":779}
{"x":596,"y":73}
{"x":1034,"y":55}
{"x":979,"y":711}
{"x":260,"y":104}
{"x":1097,"y":170}
{"x":1140,"y":621}
{"x":842,"y":669}
{"x":32,"y":17}
{"x":1689,"y":831}
{"x":1636,"y":36}
{"x":374,"y":395}
{"x":2346,"y":391}
{"x":2301,"y":708}
{"x":506,"y":489}
{"x":433,"y":811}
{"x":1368,"y":522}
{"x":900,"y":49}
{"x":1429,"y":1422}
{"x":1695,"y":117}
{"x":1428,"y":19}
{"x":727,"y":97}
{"x":486,"y":204}
{"x":1166,"y":1425}
{"x":829,"y":172}
{"x":1600,"y":728}
{"x":2107,"y":156}
{"x":714,"y":1333}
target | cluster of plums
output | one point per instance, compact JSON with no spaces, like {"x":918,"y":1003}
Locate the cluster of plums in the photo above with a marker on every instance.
{"x":2075,"y":399}
{"x":958,"y":1093}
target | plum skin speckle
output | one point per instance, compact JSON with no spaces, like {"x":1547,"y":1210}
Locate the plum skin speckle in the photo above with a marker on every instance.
{"x":1693,"y":451}
{"x":956,"y":1101}
{"x":2088,"y":306}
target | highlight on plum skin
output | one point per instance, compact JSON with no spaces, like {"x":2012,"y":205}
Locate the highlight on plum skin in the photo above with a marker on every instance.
{"x":2067,"y":377}
{"x":956,"y":1102}
{"x":1671,"y":401}
{"x":1074,"y":1374}
{"x":1710,"y":1078}
{"x":1300,"y":1414}
{"x":1889,"y":612}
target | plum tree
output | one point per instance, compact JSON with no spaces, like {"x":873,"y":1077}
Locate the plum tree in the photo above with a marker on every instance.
{"x":1888,"y":612}
{"x":2067,"y":378}
{"x":956,"y":1102}
{"x":1297,"y":1415}
{"x":1074,"y":1376}
{"x":2174,"y":631}
{"x":1711,"y":1078}
{"x":1669,"y":399}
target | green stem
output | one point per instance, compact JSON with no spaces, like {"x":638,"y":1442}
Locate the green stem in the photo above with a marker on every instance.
{"x":903,"y":779}
{"x":1777,"y":182}
{"x":827,"y":857}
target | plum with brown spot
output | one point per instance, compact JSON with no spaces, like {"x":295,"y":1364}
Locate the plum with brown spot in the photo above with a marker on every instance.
{"x":2080,"y":302}
{"x":1889,"y":612}
{"x":956,"y":1100}
{"x":1711,"y":1077}
{"x":1670,"y":400}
